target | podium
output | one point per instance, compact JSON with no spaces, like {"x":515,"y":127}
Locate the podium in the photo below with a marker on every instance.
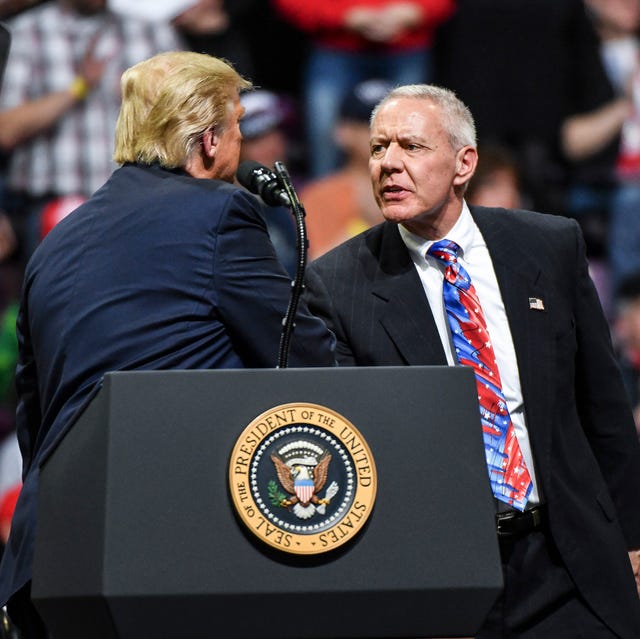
{"x":138,"y":537}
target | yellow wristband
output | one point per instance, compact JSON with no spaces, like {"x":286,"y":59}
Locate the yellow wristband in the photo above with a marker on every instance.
{"x":79,"y":88}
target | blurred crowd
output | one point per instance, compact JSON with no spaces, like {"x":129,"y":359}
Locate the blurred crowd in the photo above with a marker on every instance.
{"x":554,"y":86}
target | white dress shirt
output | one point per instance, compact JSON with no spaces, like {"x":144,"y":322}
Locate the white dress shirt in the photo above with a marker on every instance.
{"x":474,"y":257}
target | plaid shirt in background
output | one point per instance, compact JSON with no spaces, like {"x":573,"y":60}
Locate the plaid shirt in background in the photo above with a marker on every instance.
{"x":48,"y":43}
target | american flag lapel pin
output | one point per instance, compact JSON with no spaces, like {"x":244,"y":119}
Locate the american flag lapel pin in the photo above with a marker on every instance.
{"x":536,"y":304}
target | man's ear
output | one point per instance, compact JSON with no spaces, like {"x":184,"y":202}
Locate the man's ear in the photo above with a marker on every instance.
{"x":466,"y":163}
{"x":210,"y":141}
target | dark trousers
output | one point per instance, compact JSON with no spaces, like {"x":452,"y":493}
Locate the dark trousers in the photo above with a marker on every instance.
{"x":539,"y":600}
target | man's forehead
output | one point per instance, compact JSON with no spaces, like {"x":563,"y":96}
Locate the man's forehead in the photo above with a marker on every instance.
{"x":407,"y":121}
{"x":403,"y":108}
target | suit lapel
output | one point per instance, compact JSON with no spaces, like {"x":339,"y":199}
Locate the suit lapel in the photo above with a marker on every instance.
{"x":405,"y":315}
{"x":408,"y":320}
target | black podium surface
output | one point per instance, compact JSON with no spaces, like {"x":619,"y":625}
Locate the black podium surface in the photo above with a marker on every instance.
{"x":137,"y":535}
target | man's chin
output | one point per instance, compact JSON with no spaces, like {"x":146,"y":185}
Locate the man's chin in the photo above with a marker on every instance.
{"x":397,"y":214}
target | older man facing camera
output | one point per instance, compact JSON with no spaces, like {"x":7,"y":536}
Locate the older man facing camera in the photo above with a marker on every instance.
{"x":508,"y":293}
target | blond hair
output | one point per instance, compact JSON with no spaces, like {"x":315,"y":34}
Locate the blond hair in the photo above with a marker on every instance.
{"x":168,"y":102}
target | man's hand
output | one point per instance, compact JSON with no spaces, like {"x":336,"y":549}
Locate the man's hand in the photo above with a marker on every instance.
{"x":203,"y":16}
{"x":91,"y":67}
{"x":386,"y":24}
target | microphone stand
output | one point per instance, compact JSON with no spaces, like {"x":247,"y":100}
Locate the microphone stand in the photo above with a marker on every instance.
{"x":297,"y":285}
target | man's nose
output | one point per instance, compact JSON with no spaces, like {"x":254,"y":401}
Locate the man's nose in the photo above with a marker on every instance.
{"x":392,"y":158}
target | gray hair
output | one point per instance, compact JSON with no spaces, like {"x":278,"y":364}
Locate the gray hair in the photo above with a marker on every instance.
{"x":457,"y":118}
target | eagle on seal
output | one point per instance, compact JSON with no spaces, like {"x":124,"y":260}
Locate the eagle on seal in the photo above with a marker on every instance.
{"x":302,"y":482}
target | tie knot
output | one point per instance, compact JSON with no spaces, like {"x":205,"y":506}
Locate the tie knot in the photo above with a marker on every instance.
{"x":445,"y":251}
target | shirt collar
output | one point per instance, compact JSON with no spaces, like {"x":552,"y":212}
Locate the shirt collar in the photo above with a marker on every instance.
{"x":462,"y":233}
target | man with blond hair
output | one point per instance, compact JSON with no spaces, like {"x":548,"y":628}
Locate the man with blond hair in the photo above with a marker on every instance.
{"x":168,"y":266}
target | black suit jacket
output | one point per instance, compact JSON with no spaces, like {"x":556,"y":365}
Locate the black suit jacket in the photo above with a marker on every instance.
{"x":585,"y":447}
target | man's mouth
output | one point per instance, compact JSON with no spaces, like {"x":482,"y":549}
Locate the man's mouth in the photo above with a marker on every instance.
{"x":393,"y":192}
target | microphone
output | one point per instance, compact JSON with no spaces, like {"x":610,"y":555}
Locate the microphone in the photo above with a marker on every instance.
{"x":262,"y":181}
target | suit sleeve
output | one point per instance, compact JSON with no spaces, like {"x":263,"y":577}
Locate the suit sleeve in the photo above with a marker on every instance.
{"x":320,"y":304}
{"x":253,"y":292}
{"x":28,"y":413}
{"x":604,"y":409}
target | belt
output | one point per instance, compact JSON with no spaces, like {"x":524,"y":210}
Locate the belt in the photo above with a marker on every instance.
{"x":514,"y":523}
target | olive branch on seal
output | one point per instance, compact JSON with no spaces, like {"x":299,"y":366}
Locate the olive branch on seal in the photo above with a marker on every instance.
{"x":275,"y":496}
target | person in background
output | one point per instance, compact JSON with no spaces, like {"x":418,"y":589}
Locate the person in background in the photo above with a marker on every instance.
{"x":341,"y":204}
{"x":216,"y":27}
{"x":496,"y":181}
{"x":617,"y":23}
{"x":60,"y":99}
{"x":507,"y":293}
{"x":167,"y":266}
{"x":547,"y":54}
{"x":351,"y":41}
{"x":265,"y":140}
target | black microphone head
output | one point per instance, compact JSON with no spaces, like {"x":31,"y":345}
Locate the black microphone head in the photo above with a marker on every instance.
{"x":262,"y":181}
{"x":252,"y":174}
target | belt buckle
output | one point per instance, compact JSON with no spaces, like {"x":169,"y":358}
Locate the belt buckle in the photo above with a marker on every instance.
{"x":526,"y":521}
{"x":502,"y":519}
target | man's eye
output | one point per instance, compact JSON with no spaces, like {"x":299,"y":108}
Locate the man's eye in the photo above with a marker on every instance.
{"x":377,"y":149}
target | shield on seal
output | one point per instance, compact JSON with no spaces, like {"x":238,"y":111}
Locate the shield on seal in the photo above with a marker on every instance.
{"x":304,"y":489}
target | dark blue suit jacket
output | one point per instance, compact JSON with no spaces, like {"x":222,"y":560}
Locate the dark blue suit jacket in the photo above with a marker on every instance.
{"x":158,"y":270}
{"x":583,"y":439}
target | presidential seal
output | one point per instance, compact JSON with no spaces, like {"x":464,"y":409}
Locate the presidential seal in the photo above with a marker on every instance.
{"x":302,"y":478}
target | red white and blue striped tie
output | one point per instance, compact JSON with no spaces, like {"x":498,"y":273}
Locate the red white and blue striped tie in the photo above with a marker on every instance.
{"x":510,"y":479}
